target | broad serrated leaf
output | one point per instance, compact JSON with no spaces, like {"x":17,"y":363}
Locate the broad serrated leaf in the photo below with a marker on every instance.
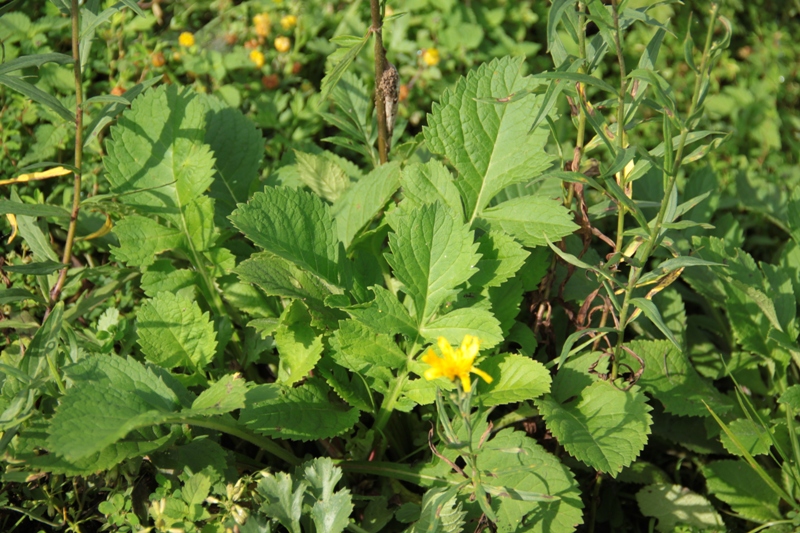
{"x":529,"y":219}
{"x":604,"y":427}
{"x":361,"y":202}
{"x":465,"y":321}
{"x":738,"y":485}
{"x":298,"y":344}
{"x":200,"y":454}
{"x":195,"y":489}
{"x":384,"y":314}
{"x":224,"y":396}
{"x":440,"y":511}
{"x":518,"y":463}
{"x":431,"y":182}
{"x":791,"y":397}
{"x":332,"y":515}
{"x":322,"y":175}
{"x":669,"y":376}
{"x":238,"y":148}
{"x":361,"y":348}
{"x":112,"y":397}
{"x":292,"y":224}
{"x":157,"y":160}
{"x":501,"y":258}
{"x":516,"y":379}
{"x":174,"y":332}
{"x":673,"y":504}
{"x":162,"y":276}
{"x":751,"y":435}
{"x":302,"y":413}
{"x":141,"y":239}
{"x":432,"y":253}
{"x":488,"y":143}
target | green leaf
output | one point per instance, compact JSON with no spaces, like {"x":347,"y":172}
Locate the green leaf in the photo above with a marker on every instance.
{"x":322,"y":175}
{"x":348,"y":53}
{"x":35,"y":60}
{"x":441,"y":511}
{"x":195,"y":489}
{"x":302,"y":413}
{"x":36,"y":268}
{"x":292,"y":224}
{"x":361,"y":348}
{"x":112,"y":396}
{"x":384,"y":314}
{"x":673,"y":504}
{"x":428,"y":183}
{"x":37,"y":95}
{"x":432,"y":253}
{"x":331,"y":511}
{"x":516,"y":379}
{"x":238,"y":148}
{"x":575,"y":76}
{"x":651,"y":312}
{"x":501,"y":258}
{"x":604,"y":427}
{"x":488,"y":144}
{"x":513,"y":461}
{"x":32,"y":210}
{"x":465,"y":321}
{"x":141,"y":239}
{"x":174,"y":332}
{"x":529,"y":219}
{"x":157,"y":161}
{"x":791,"y":397}
{"x":224,"y":396}
{"x":670,"y":377}
{"x":362,"y":202}
{"x":298,"y":344}
{"x":738,"y":485}
{"x":283,"y":499}
{"x":752,"y":436}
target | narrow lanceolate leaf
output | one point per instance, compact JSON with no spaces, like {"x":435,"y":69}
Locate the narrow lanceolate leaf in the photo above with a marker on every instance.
{"x":174,"y":332}
{"x":238,"y":148}
{"x":112,"y":397}
{"x":157,"y":160}
{"x":488,"y":143}
{"x":516,"y":379}
{"x":361,"y":202}
{"x":465,"y":321}
{"x":302,"y":413}
{"x":292,"y":224}
{"x":37,"y":95}
{"x":431,"y":182}
{"x":529,"y":219}
{"x":432,"y":253}
{"x":604,"y":427}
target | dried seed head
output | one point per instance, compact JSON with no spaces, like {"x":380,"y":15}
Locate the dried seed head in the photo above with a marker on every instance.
{"x":389,"y":91}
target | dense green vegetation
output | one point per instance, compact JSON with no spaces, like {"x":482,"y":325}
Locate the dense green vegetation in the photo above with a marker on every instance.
{"x":238,"y":296}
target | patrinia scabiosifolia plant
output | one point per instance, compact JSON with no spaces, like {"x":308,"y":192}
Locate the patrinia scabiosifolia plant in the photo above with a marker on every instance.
{"x":300,"y":311}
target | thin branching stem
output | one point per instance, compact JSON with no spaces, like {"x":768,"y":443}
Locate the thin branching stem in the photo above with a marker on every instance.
{"x":620,"y":117}
{"x":66,"y":259}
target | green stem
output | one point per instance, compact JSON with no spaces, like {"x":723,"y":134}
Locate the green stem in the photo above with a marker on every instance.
{"x":620,"y":119}
{"x":262,"y":442}
{"x":655,"y":231}
{"x":390,"y":400}
{"x":66,"y":258}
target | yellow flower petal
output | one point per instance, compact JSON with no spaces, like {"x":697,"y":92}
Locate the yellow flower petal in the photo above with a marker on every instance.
{"x":486,"y":377}
{"x":186,"y":39}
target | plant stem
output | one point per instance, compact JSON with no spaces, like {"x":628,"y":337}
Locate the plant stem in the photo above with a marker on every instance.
{"x":262,"y":442}
{"x":66,"y":259}
{"x":620,"y":119}
{"x":380,"y":66}
{"x":390,"y":400}
{"x":655,"y":231}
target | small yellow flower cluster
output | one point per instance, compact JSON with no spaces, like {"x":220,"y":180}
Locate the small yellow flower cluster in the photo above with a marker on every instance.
{"x":431,"y":57}
{"x":282,"y":44}
{"x":456,"y":364}
{"x":186,"y":39}
{"x":288,"y":22}
{"x":257,"y":57}
{"x":261,"y":23}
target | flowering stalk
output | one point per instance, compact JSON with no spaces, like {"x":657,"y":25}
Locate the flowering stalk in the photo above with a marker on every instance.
{"x":380,"y":66}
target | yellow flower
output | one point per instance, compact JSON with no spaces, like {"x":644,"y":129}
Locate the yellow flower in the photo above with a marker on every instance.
{"x":282,"y":44}
{"x":186,"y":39}
{"x":456,"y":363}
{"x":257,"y":57}
{"x":288,"y":22}
{"x":431,"y":57}
{"x":262,"y":24}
